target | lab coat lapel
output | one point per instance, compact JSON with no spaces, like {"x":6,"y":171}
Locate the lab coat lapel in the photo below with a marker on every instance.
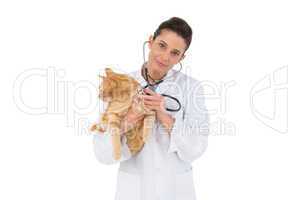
{"x":169,"y":80}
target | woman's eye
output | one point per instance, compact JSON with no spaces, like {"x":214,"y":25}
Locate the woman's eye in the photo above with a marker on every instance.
{"x":175,"y":53}
{"x":161,"y":45}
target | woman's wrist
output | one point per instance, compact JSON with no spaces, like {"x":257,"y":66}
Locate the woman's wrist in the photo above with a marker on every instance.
{"x":125,"y":125}
{"x":128,"y":122}
{"x":166,"y":120}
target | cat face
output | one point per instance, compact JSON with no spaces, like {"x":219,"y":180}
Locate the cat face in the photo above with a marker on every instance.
{"x":117,"y":87}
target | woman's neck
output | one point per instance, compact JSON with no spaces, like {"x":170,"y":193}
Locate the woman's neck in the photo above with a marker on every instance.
{"x":154,"y":74}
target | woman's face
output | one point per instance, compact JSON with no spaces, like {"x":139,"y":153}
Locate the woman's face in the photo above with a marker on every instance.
{"x":165,"y":51}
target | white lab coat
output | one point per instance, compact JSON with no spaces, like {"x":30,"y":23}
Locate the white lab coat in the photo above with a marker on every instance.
{"x":162,"y":169}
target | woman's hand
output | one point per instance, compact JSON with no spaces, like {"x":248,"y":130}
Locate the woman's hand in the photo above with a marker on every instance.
{"x":154,"y":101}
{"x":130,"y":120}
{"x":132,"y":116}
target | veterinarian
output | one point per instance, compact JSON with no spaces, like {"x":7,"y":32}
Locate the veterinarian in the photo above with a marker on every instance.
{"x":162,"y":169}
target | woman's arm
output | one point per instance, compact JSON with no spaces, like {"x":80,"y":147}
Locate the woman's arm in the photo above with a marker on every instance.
{"x":188,"y":129}
{"x":103,"y":149}
{"x":102,"y":142}
{"x":189,"y":133}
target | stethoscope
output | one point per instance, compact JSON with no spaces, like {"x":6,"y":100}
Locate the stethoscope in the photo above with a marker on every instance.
{"x":156,"y":83}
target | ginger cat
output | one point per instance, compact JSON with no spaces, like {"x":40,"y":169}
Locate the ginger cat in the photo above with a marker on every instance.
{"x":120,"y":92}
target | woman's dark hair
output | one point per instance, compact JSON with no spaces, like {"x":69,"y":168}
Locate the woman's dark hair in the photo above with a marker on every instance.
{"x":178,"y":26}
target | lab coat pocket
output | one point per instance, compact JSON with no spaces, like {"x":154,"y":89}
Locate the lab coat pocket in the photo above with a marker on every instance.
{"x":184,"y":185}
{"x":128,"y":186}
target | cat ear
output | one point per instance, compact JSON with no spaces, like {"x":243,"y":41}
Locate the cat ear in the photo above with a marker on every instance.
{"x":101,"y":77}
{"x":109,"y":71}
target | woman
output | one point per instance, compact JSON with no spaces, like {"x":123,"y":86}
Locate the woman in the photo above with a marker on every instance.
{"x":162,"y":169}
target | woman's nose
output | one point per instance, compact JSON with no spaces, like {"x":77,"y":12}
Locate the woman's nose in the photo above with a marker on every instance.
{"x":165,"y":57}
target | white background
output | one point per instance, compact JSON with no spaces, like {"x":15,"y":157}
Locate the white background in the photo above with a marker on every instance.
{"x":46,"y":154}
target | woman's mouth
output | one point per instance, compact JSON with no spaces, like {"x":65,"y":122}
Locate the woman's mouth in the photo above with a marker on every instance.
{"x":161,"y":64}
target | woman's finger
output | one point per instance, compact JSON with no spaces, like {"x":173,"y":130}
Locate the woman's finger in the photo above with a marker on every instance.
{"x":149,"y":97}
{"x":154,"y":103}
{"x":150,"y":107}
{"x":146,"y":90}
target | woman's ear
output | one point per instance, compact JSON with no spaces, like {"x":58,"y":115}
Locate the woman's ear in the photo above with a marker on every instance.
{"x":182,"y":57}
{"x":150,"y":41}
